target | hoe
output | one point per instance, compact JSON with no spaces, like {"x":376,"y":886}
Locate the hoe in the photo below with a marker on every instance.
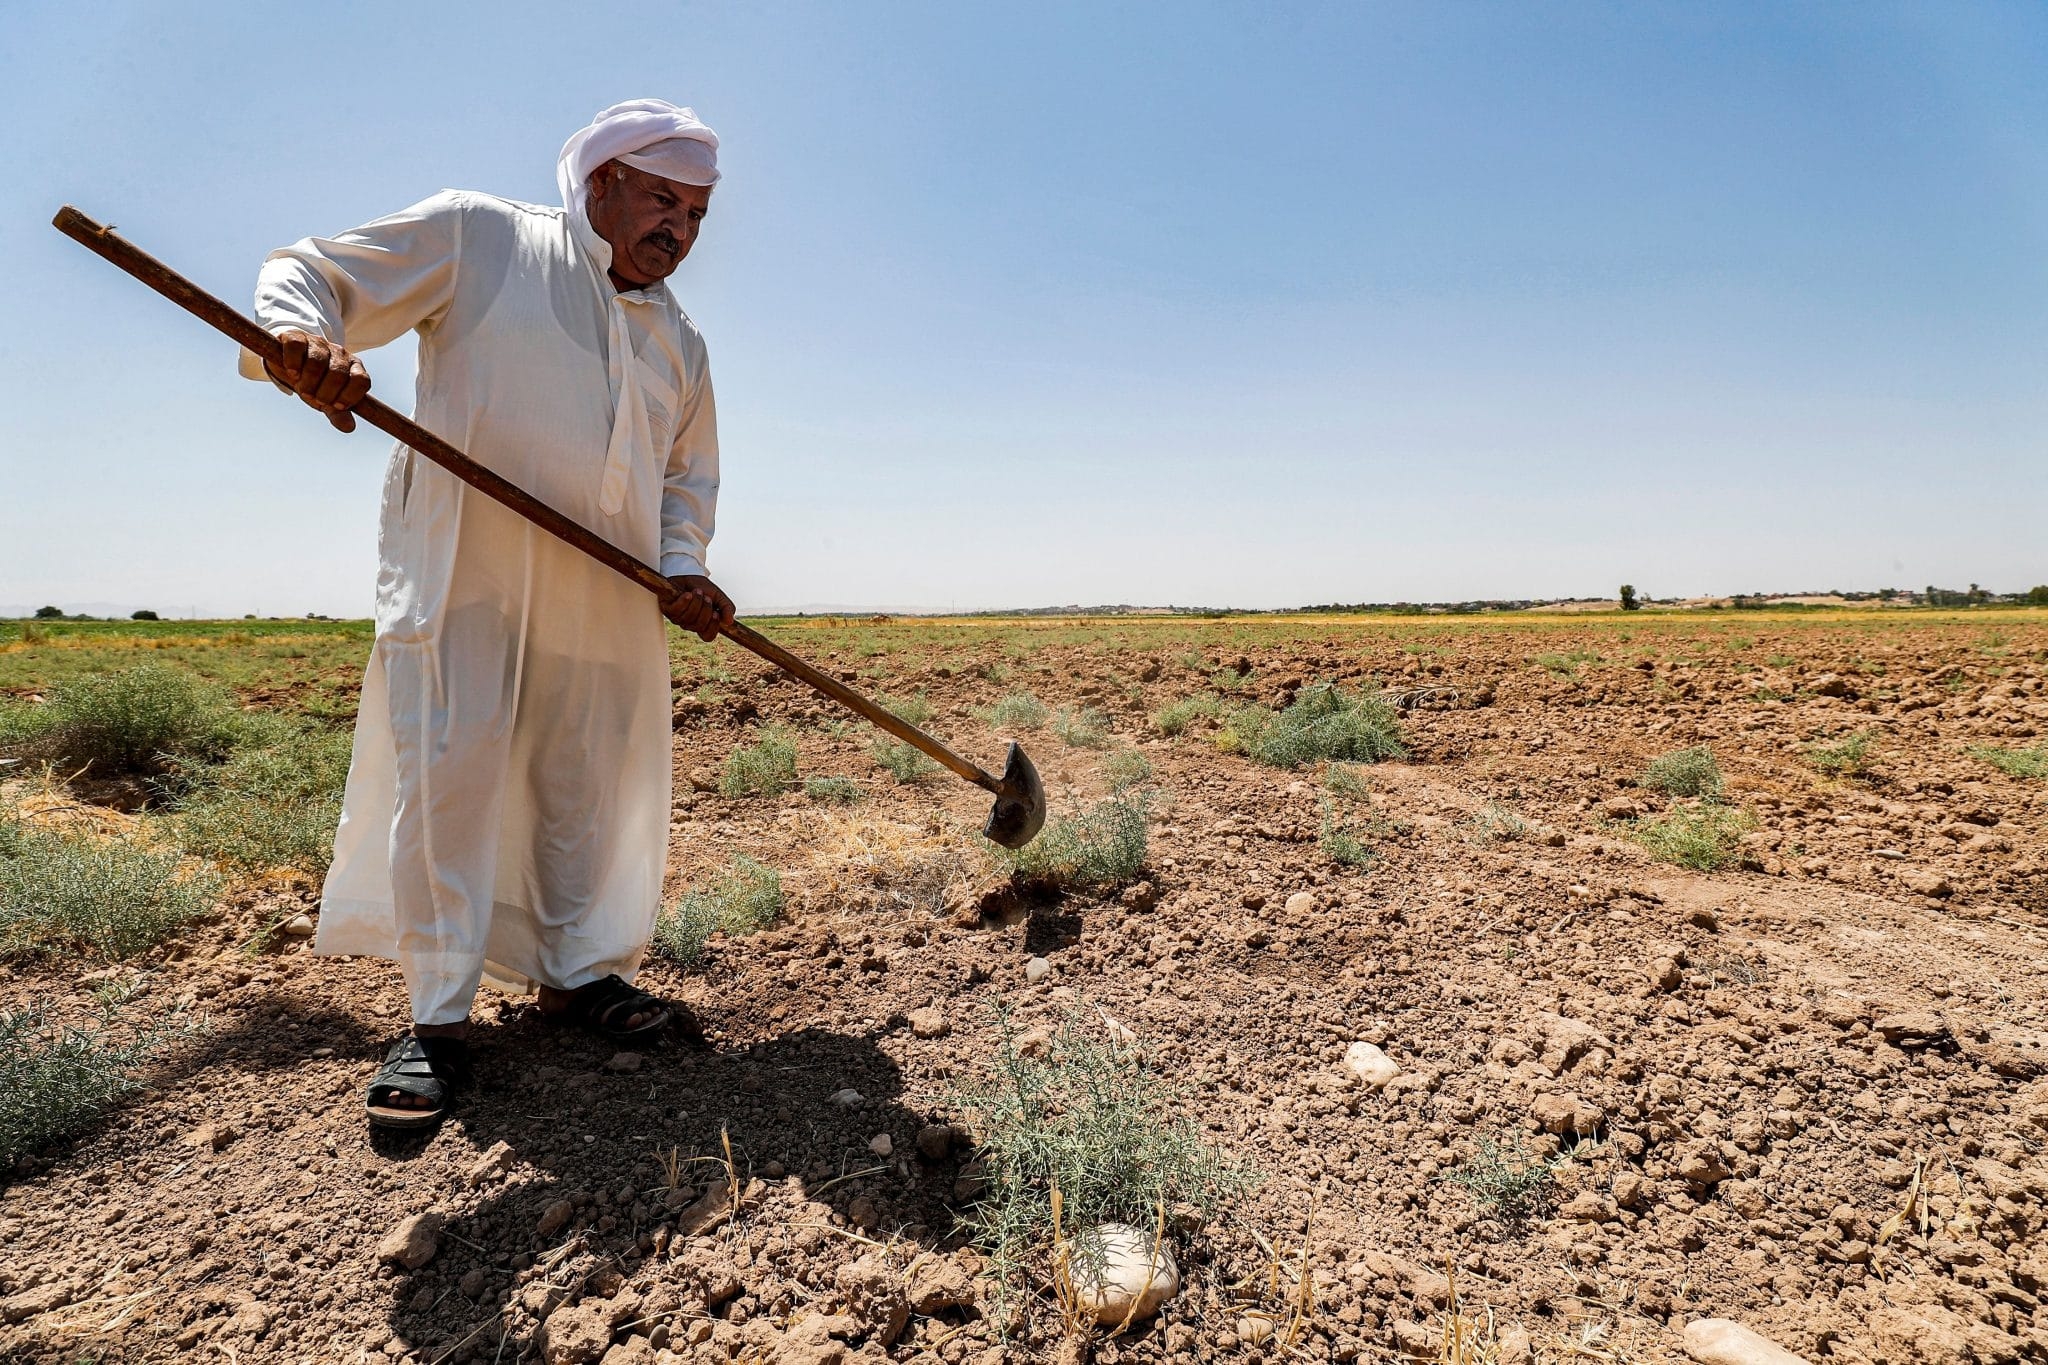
{"x":1019,"y":809}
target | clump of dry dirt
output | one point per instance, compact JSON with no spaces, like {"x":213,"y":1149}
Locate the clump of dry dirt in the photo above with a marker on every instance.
{"x":1808,"y":1092}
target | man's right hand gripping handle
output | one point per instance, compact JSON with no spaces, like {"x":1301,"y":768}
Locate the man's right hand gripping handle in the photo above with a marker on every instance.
{"x":323,"y":374}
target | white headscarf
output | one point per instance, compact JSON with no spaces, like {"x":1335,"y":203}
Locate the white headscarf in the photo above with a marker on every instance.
{"x":653,"y":135}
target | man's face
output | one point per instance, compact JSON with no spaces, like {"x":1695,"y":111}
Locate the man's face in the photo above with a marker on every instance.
{"x":650,"y":222}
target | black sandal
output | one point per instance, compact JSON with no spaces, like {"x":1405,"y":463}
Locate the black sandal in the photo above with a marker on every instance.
{"x":430,"y":1068}
{"x":595,"y":1006}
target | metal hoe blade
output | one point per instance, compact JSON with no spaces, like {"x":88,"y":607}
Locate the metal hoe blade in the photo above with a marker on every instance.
{"x":1019,"y":812}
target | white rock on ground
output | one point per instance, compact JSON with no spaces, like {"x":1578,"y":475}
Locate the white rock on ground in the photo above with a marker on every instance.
{"x":1722,"y":1341}
{"x":413,"y":1242}
{"x":1037,"y":969}
{"x":1370,"y":1065}
{"x":1118,"y":1273}
{"x":881,"y":1144}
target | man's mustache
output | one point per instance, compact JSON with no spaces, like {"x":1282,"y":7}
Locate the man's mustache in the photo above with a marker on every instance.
{"x":663,"y":238}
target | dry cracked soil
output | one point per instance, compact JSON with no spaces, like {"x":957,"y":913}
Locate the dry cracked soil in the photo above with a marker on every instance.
{"x":1805,"y":1091}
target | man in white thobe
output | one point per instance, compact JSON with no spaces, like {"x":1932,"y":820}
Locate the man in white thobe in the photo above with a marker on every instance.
{"x":508,"y":799}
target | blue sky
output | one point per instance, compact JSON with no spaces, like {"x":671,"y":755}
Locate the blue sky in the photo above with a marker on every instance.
{"x":1256,"y":304}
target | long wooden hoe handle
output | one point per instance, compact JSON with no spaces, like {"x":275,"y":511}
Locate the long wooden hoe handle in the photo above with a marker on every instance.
{"x":108,"y":245}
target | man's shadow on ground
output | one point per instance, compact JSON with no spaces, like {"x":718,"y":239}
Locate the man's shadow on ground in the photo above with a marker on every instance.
{"x":611,"y":1142}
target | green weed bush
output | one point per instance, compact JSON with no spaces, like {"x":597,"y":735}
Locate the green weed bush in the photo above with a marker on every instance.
{"x":1018,"y":711}
{"x":1506,"y":1182}
{"x":1685,"y":772}
{"x":832,"y":791}
{"x":1125,"y":769}
{"x":1848,"y":756}
{"x":1175,"y":719}
{"x":131,"y":720}
{"x":1087,"y":728}
{"x":272,"y":803}
{"x":2014,"y":762}
{"x":1089,"y":1119}
{"x":1704,"y":837}
{"x":1323,"y":722}
{"x":55,"y":1081}
{"x":904,"y":762}
{"x":113,"y":898}
{"x":743,"y":900}
{"x":766,"y":767}
{"x":916,"y":709}
{"x":1102,"y":847}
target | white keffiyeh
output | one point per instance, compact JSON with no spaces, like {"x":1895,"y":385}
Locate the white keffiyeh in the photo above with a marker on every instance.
{"x":655,"y":136}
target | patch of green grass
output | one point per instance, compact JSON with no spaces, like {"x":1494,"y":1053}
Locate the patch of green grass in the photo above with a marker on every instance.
{"x":832,"y":791}
{"x":1848,"y":756}
{"x":1087,"y":728}
{"x":1703,"y":837}
{"x":1086,"y":1123}
{"x":916,"y":708}
{"x":1567,"y":662}
{"x":273,"y":803}
{"x":1344,"y":781}
{"x":112,"y":898}
{"x":904,"y":762}
{"x":1685,"y":772}
{"x":1018,"y":711}
{"x":1495,"y":823}
{"x":56,"y":1081}
{"x":131,"y":720}
{"x":1102,"y":847}
{"x":2014,"y":762}
{"x":1780,"y":660}
{"x":766,"y":767}
{"x":1126,"y":768}
{"x":1324,"y":722}
{"x":743,"y":900}
{"x":1175,"y":719}
{"x":1341,"y":842}
{"x":1508,"y":1183}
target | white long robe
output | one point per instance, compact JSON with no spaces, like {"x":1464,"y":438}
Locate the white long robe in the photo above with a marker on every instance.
{"x":508,"y":798}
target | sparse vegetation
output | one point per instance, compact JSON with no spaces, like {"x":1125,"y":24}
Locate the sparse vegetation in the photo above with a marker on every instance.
{"x":1125,"y":769}
{"x":55,"y":1081}
{"x":743,"y":900}
{"x":1102,"y":847}
{"x":273,"y":803}
{"x":1685,"y":772}
{"x":1078,"y":1135}
{"x":1341,"y":842}
{"x":114,"y":898}
{"x":766,"y":767}
{"x":1018,"y":711}
{"x":1567,"y":663}
{"x":1323,"y":722}
{"x":1086,"y":728}
{"x":832,"y":791}
{"x":1495,"y":823}
{"x":1176,"y":718}
{"x":132,"y":720}
{"x":2014,"y":762}
{"x":1508,"y":1183}
{"x":1848,"y":756}
{"x":904,"y":762}
{"x":1704,"y":837}
{"x":916,"y":708}
{"x":1344,"y":782}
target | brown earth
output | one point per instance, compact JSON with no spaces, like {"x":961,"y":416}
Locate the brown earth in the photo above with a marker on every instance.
{"x":1751,"y":1070}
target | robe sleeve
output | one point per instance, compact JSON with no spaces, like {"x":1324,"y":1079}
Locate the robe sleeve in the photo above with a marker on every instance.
{"x":689,"y":495}
{"x":367,"y":286}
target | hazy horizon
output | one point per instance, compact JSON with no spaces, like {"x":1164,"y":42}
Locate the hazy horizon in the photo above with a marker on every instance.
{"x":1152,"y":304}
